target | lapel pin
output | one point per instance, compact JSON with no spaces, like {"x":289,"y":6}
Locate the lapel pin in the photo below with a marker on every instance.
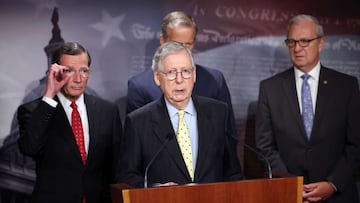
{"x":325,"y":82}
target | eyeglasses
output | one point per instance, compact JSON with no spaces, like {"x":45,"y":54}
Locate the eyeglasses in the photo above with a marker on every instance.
{"x":172,"y":74}
{"x":84,"y":72}
{"x":187,"y":44}
{"x":302,"y":42}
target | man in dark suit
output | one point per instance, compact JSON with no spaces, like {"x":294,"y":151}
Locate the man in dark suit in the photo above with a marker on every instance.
{"x":308,"y":119}
{"x":75,"y":159}
{"x":179,"y":27}
{"x":210,"y":155}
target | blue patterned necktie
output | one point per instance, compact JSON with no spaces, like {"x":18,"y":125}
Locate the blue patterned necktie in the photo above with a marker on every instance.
{"x":307,"y":107}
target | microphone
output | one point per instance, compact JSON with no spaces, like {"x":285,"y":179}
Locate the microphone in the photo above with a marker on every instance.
{"x":167,"y":139}
{"x":265,"y":160}
{"x":262,"y":157}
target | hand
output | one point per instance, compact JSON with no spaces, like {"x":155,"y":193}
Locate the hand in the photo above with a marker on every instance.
{"x":56,"y":79}
{"x":317,"y":192}
{"x":164,"y":184}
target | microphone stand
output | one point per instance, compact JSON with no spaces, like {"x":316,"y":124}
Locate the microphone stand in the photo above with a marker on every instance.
{"x":167,"y":139}
{"x":267,"y":163}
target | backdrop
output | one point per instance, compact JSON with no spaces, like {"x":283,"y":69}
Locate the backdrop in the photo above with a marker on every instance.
{"x":243,"y":39}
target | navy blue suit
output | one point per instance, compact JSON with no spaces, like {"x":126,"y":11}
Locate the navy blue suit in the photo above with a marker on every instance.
{"x":209,"y":83}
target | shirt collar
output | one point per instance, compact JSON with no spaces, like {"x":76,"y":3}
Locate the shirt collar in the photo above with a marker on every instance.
{"x":190,"y":108}
{"x":66,"y":102}
{"x":314,"y":73}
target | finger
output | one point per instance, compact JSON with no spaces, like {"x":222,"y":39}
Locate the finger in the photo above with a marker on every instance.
{"x":59,"y":75}
{"x":314,"y":199}
{"x":55,"y":67}
{"x":304,"y":193}
{"x":309,"y":194}
{"x":58,"y":68}
{"x":53,"y":71}
{"x":166,"y":184}
{"x":65,"y":79}
{"x":309,"y":186}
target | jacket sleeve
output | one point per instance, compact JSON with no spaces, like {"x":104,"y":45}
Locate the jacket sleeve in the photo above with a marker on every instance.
{"x":343,"y":171}
{"x":34,"y":118}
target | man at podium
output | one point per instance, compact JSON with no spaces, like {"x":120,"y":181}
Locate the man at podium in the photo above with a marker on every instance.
{"x":180,"y":138}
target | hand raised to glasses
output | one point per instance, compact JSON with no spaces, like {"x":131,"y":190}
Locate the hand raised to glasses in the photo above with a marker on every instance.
{"x":56,"y":79}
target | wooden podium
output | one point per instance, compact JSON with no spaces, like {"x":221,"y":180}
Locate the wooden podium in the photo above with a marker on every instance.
{"x":277,"y":190}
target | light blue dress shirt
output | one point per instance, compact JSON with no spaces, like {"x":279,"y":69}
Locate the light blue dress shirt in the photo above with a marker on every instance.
{"x":191,"y":121}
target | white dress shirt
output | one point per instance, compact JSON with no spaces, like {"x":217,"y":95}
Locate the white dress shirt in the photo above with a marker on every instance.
{"x":68,"y":110}
{"x":313,"y":83}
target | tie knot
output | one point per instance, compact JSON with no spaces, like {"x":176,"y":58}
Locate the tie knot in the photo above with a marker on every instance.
{"x":305,"y":77}
{"x":181,"y":113}
{"x":73,"y":105}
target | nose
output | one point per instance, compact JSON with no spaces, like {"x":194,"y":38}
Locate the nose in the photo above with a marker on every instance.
{"x":179,"y":78}
{"x":77,"y":76}
{"x":297,"y":47}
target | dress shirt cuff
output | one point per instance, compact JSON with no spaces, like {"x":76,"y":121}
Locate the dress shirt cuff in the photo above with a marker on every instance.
{"x":332,"y":185}
{"x":50,"y":101}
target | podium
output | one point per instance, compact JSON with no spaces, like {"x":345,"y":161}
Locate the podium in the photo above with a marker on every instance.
{"x":276,"y":190}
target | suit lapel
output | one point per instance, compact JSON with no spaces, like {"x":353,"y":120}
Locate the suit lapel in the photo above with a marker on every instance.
{"x":204,"y":130}
{"x":289,"y":87}
{"x":162,"y":127}
{"x":62,"y":120}
{"x":324,"y":92}
{"x":93,"y":116}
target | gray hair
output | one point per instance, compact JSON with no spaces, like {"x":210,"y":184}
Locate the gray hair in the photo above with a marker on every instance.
{"x":166,"y":49}
{"x":303,"y":17}
{"x":69,"y":48}
{"x":175,"y":19}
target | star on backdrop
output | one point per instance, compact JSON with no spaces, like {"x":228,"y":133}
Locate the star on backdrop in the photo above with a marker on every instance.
{"x":110,"y":27}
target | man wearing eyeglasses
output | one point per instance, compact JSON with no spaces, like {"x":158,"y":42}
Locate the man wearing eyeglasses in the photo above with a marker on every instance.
{"x":308,"y":119}
{"x":179,"y":138}
{"x":180,"y":27}
{"x":73,"y":137}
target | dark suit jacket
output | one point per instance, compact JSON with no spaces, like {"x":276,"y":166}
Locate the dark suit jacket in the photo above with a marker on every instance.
{"x":147,"y":128}
{"x":209,"y":83}
{"x":46,"y":135}
{"x":332,"y":152}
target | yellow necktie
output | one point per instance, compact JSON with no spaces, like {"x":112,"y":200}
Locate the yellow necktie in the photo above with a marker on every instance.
{"x":183,"y":138}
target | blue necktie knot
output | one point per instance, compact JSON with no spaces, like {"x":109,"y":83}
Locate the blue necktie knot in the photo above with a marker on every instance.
{"x":305,"y":77}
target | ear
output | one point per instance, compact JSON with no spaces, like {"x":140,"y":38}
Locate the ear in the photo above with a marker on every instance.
{"x":194,"y":74}
{"x":321,"y":44}
{"x":162,"y":39}
{"x":156,"y":78}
